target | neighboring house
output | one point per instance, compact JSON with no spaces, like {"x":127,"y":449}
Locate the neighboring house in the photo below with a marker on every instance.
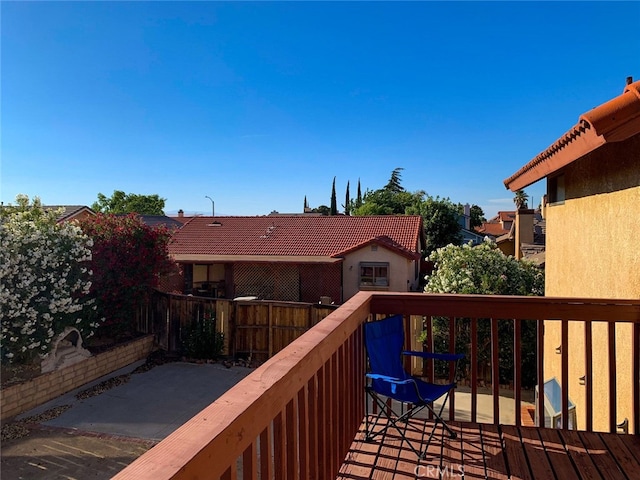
{"x":182,"y":218}
{"x":524,"y":228}
{"x":71,"y":212}
{"x":526,"y":237}
{"x":592,"y":224}
{"x":468,"y":235}
{"x":299,"y":258}
{"x":499,"y":225}
{"x":161,"y":220}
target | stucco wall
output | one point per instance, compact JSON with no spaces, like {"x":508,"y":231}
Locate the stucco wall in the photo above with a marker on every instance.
{"x":593,"y":251}
{"x":402,"y":274}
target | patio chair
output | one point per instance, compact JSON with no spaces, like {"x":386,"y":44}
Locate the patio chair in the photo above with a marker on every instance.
{"x":384,"y":340}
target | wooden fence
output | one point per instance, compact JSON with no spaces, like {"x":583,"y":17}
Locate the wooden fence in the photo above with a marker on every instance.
{"x":254,"y":330}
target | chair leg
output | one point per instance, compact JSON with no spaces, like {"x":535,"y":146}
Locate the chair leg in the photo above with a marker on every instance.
{"x":438,"y":420}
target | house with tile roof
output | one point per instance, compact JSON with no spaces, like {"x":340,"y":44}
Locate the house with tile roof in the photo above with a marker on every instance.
{"x":498,"y":225}
{"x":71,"y":212}
{"x":299,"y":258}
{"x":592,"y":230}
{"x":520,"y":233}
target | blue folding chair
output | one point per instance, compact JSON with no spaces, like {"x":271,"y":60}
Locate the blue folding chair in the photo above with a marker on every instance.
{"x":384,"y":340}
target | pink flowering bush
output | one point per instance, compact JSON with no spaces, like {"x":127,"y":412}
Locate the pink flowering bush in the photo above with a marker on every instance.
{"x":128,"y":258}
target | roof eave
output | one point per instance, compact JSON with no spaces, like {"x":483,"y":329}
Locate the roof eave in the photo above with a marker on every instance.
{"x":613,"y":121}
{"x":554,"y":158}
{"x":208,"y":258}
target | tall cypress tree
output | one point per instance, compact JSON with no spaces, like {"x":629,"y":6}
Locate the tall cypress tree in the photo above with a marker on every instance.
{"x":359,"y":197}
{"x":334,"y":203}
{"x":347,"y":201}
{"x":306,"y":204}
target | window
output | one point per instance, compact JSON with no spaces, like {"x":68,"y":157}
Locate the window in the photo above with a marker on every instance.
{"x":555,"y":189}
{"x":374,"y":274}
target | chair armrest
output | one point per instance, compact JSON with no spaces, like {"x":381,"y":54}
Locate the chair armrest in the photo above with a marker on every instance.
{"x":393,"y":381}
{"x":397,"y":381}
{"x":450,"y":357}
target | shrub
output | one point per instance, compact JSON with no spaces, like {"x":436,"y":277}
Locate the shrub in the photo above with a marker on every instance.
{"x":44,"y":281}
{"x":485,"y":270}
{"x":128,"y":259}
{"x":201,"y":340}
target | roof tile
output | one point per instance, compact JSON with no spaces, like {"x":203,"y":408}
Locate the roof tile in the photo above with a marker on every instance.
{"x":292,"y":235}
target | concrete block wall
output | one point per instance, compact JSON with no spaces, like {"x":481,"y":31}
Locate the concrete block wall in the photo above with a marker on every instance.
{"x":25,"y":396}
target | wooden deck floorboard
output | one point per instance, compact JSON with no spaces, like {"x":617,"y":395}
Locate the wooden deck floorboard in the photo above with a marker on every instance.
{"x":493,"y":452}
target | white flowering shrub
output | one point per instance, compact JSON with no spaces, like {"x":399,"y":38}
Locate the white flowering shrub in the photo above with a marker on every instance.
{"x":44,"y":281}
{"x":485,"y":270}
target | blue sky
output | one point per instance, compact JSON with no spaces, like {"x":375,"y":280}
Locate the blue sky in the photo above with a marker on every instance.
{"x":259,"y":104}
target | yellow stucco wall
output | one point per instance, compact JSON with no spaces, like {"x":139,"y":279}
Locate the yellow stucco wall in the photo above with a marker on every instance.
{"x":402,"y":275}
{"x":593,"y":251}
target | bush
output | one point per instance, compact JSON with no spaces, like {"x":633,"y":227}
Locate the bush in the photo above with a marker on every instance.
{"x":44,"y":281}
{"x":201,"y":340}
{"x":485,"y":270}
{"x":128,"y":259}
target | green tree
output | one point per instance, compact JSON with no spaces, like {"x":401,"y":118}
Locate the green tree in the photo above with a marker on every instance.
{"x":521,"y":199}
{"x":392,"y":199}
{"x":394,"y":184}
{"x":485,"y":270}
{"x":334,"y":201}
{"x":477,"y":216}
{"x":322,"y":209}
{"x":440,"y":219}
{"x":476,"y":213}
{"x":347,"y":201}
{"x":306,"y":204}
{"x":122,"y":203}
{"x":440,"y":215}
{"x":359,"y":196}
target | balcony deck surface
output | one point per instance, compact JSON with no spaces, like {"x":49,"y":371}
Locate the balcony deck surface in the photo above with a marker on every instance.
{"x":495,"y":452}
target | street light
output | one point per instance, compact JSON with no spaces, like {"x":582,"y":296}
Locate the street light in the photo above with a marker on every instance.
{"x":213,"y":206}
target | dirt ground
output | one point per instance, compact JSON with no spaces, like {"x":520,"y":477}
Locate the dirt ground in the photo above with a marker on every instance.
{"x":47,"y":453}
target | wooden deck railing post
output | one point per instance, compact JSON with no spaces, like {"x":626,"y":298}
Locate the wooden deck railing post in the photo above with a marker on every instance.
{"x":452,"y":367}
{"x":540,"y":372}
{"x":588,"y":374}
{"x":636,"y":378}
{"x":473,"y":360}
{"x":517,"y":370}
{"x":612,"y":378}
{"x":495,"y":370}
{"x":564,"y":358}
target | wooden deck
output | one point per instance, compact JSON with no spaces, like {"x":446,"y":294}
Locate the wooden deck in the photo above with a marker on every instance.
{"x":496,"y":452}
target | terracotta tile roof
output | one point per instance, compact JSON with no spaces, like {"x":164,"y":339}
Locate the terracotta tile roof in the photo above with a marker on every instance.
{"x":493,"y":229}
{"x":507,"y":216}
{"x":297,"y":236}
{"x":182,"y":219}
{"x":155,"y":220}
{"x":495,"y":226}
{"x":613,"y":121}
{"x":384,"y":241}
{"x":69,"y":211}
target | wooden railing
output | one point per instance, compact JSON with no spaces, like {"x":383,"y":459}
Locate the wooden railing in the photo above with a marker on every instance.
{"x":296,"y":415}
{"x":566,"y":311}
